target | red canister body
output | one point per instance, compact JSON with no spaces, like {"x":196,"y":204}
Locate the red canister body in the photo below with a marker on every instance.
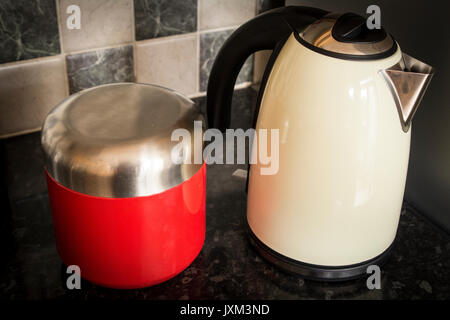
{"x":130,"y":242}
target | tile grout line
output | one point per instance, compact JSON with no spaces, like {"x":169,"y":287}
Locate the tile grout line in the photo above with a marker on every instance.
{"x":61,"y":44}
{"x":112,"y":46}
{"x":239,"y":86}
{"x":59,"y":22}
{"x":133,"y":36}
{"x":30,"y":61}
{"x":219,"y":29}
{"x":19,"y":133}
{"x":170,"y":38}
{"x":197,"y":71}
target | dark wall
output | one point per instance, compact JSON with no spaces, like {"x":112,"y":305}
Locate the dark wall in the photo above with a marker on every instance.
{"x":422,"y":29}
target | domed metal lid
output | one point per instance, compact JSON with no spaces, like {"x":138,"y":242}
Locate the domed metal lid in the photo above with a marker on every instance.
{"x":115,"y":140}
{"x":346,"y":36}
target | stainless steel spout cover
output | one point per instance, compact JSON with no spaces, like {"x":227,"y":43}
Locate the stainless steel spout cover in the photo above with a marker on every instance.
{"x":408,"y":80}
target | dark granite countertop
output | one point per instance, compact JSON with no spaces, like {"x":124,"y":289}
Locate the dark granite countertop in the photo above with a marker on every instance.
{"x":227,"y":267}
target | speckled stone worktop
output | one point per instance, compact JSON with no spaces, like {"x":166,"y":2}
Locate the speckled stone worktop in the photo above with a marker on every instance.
{"x":227,"y":267}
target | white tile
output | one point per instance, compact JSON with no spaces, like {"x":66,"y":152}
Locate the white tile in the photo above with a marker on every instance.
{"x":225,"y":13}
{"x":169,"y":62}
{"x":28,"y":91}
{"x":103,"y":23}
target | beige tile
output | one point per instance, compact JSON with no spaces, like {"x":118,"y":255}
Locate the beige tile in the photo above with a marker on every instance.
{"x":28,"y":91}
{"x":261,"y":59}
{"x":170,"y":62}
{"x":224,"y":13}
{"x":103,"y":23}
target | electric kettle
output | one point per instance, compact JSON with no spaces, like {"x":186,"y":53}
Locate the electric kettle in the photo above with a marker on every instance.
{"x":122,"y":210}
{"x":342,"y":97}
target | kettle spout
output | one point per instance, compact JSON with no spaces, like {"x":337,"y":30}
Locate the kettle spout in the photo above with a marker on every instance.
{"x":408,"y":81}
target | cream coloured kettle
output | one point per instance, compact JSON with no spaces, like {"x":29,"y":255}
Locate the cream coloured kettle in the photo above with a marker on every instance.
{"x":342,"y":96}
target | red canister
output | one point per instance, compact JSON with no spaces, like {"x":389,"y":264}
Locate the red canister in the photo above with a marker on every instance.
{"x":123,"y":209}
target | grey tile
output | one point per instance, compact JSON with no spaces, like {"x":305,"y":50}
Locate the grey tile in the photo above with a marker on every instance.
{"x":89,"y":69}
{"x":210,"y":44}
{"x":160,"y":18}
{"x":28,"y":29}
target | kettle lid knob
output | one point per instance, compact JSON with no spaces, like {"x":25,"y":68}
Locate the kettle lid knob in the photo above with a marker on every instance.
{"x":346,"y":36}
{"x":352,"y":28}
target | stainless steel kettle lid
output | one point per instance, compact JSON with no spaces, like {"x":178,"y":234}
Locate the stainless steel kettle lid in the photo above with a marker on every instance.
{"x":115,"y":140}
{"x":346,"y":36}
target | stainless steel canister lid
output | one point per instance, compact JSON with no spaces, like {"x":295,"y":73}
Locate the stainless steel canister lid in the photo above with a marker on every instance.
{"x":115,"y":140}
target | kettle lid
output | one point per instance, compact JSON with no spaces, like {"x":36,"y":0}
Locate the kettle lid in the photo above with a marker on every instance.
{"x":346,"y":36}
{"x":115,"y":140}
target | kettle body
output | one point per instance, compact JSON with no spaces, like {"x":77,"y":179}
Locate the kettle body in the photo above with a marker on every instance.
{"x":342,"y":98}
{"x":343,"y":159}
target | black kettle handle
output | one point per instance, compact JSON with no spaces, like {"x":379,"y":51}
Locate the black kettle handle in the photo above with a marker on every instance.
{"x":263,"y":32}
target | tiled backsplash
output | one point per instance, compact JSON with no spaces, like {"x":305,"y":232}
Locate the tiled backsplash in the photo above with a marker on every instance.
{"x":172,"y":43}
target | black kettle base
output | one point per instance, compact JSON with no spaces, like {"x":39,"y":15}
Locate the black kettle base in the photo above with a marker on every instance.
{"x":316,"y":272}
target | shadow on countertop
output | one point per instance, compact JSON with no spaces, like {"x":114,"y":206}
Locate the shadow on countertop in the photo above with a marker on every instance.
{"x":227,"y":267}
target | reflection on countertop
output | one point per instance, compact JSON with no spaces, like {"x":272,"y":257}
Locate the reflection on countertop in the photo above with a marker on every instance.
{"x":227,"y":267}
